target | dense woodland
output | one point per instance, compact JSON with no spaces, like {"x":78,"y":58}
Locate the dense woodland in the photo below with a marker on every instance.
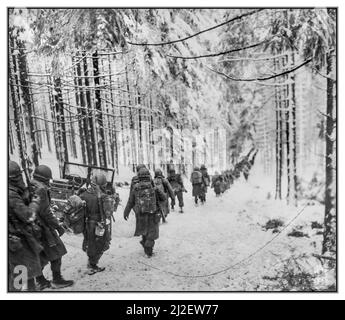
{"x":115,"y":88}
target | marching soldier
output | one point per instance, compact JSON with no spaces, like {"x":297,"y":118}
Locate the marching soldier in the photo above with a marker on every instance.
{"x":176,"y":183}
{"x":99,"y":209}
{"x":134,"y":181}
{"x":163,"y":184}
{"x":146,"y":198}
{"x":198,"y":184}
{"x":24,"y":233}
{"x":217,"y":181}
{"x":52,"y":230}
{"x":206,"y":179}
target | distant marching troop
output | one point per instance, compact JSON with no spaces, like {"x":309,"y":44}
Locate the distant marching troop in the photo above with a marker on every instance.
{"x":35,"y":232}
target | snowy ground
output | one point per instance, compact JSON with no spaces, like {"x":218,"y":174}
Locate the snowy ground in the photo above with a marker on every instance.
{"x":204,"y":240}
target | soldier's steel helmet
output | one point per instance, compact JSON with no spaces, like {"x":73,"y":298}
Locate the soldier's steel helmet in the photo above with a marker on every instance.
{"x":196,"y":169}
{"x":203,"y":166}
{"x":144,"y":174}
{"x":43,"y":172}
{"x":14,"y":170}
{"x":99,"y":179}
{"x":158,"y":172}
{"x":140,"y":166}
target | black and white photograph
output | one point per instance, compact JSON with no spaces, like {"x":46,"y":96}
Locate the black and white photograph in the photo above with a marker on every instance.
{"x":172,"y":149}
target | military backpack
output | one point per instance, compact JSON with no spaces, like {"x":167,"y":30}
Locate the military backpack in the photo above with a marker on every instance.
{"x":159,"y":184}
{"x":196,"y":177}
{"x":145,"y":198}
{"x":74,"y":214}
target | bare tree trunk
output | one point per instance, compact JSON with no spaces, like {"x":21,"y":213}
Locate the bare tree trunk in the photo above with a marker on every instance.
{"x":131,"y":121}
{"x":10,"y":140}
{"x":60,"y":119}
{"x":103,"y":153}
{"x":151,"y":130}
{"x":141,"y":155}
{"x":53,"y":117}
{"x":294,"y":132}
{"x":72,"y":134}
{"x":80,"y":100}
{"x":114,"y":142}
{"x":281,"y":147}
{"x":122,"y":126}
{"x":278,"y":140}
{"x":287,"y":133}
{"x":330,"y":232}
{"x":14,"y":94}
{"x":91,"y":129}
{"x":27,"y":99}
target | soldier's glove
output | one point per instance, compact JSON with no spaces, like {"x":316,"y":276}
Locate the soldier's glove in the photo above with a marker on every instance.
{"x":184,"y":190}
{"x":125,"y":216}
{"x":61,"y":230}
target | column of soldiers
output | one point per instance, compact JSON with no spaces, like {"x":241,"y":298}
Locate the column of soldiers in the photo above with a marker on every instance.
{"x":35,"y":232}
{"x":222,"y":182}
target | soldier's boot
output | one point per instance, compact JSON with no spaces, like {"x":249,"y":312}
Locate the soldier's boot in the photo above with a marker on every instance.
{"x":142,"y":242}
{"x":42,"y":283}
{"x":181,"y":210}
{"x":59,"y":282}
{"x":148,"y":251}
{"x":30,"y":286}
{"x":172,"y":207}
{"x":93,"y":268}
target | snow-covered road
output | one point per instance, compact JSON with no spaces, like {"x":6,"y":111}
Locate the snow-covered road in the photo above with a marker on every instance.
{"x":204,"y":240}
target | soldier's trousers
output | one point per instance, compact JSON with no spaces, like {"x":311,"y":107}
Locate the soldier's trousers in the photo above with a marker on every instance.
{"x":55,"y":265}
{"x":148,"y":243}
{"x":179,"y":195}
{"x":94,"y":259}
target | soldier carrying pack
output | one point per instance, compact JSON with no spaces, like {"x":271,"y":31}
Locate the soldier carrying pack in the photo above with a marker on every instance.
{"x":146,"y":200}
{"x":74,"y":214}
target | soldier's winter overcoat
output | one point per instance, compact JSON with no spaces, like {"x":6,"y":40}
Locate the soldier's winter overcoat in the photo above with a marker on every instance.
{"x":206,"y":179}
{"x":168,"y":191}
{"x":198,"y":188}
{"x":24,"y":246}
{"x":146,"y":224}
{"x":53,"y":247}
{"x":177,"y":185}
{"x":217,"y":184}
{"x":93,"y":244}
